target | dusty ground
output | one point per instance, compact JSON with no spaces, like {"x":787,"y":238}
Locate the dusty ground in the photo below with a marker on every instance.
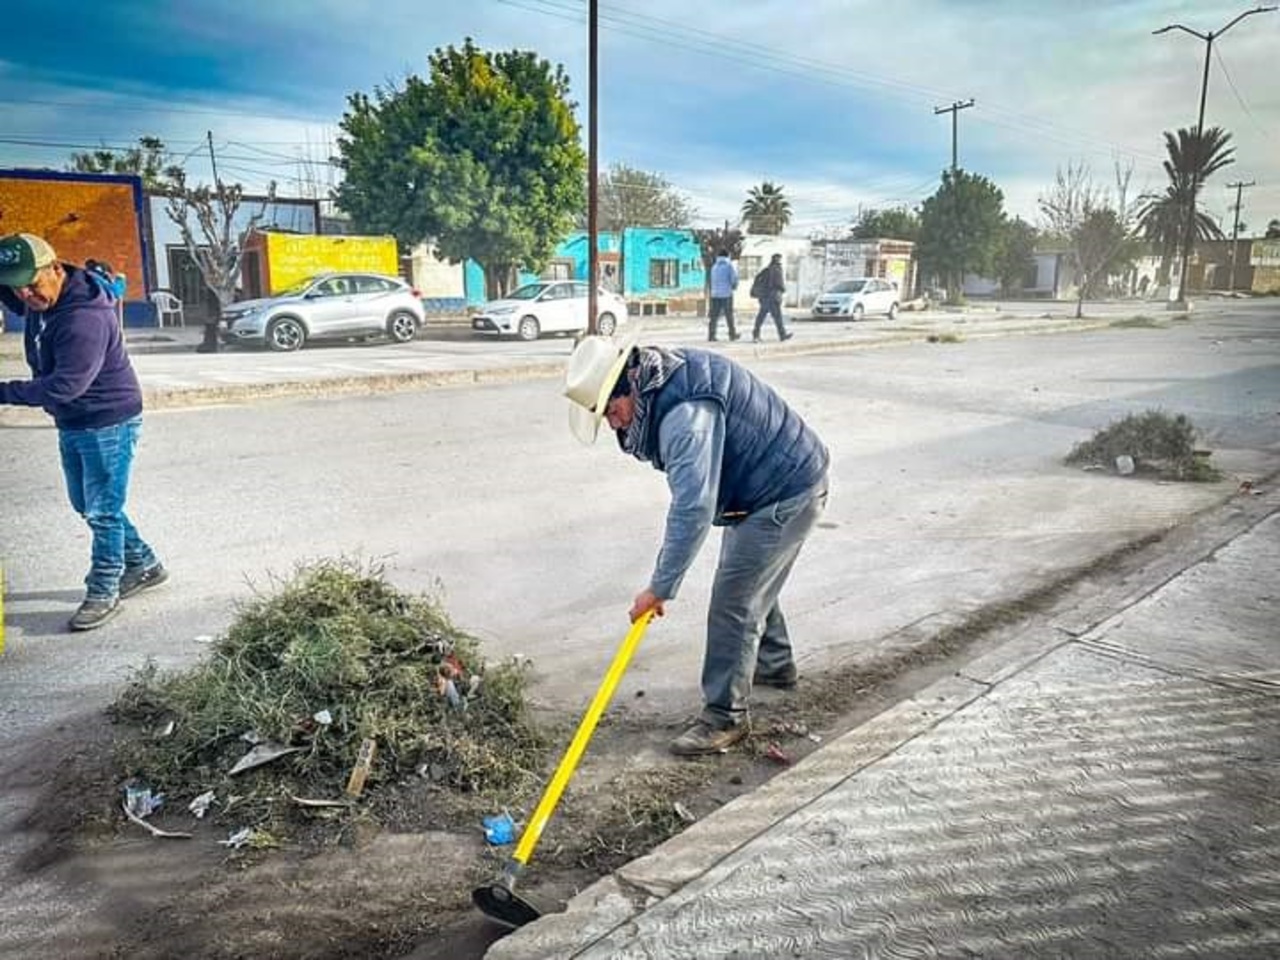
{"x":395,"y":880}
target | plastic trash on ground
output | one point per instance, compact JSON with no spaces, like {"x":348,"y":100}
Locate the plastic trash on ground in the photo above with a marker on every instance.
{"x":500,"y":829}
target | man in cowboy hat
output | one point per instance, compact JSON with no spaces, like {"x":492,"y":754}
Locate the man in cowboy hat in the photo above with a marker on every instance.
{"x":735,"y":455}
{"x":82,"y":377}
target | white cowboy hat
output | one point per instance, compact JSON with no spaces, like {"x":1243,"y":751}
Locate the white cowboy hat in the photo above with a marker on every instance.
{"x":594,"y":368}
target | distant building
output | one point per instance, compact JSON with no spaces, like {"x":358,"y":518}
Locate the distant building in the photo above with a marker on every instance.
{"x":657,"y":270}
{"x":85,"y":216}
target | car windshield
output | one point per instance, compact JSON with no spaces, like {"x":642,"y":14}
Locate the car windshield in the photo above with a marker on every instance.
{"x":849,"y":286}
{"x":298,"y":288}
{"x":529,"y":291}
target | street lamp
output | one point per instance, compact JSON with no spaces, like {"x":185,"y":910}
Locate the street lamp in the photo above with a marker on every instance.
{"x":1189,"y":229}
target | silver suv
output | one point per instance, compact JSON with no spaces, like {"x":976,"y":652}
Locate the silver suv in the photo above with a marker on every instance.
{"x":342,"y":305}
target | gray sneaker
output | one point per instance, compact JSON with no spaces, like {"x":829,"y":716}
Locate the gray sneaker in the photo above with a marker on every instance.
{"x":93,"y":613}
{"x":137,"y":579}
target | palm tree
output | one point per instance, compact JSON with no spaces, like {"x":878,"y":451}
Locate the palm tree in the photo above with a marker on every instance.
{"x":767,"y":210}
{"x":1193,"y":158}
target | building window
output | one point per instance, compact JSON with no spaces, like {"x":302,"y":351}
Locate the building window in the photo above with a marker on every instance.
{"x":750,"y":266}
{"x":664,"y":273}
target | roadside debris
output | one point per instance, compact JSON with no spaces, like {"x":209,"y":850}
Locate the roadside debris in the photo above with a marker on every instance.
{"x":364,"y":763}
{"x":775,"y":754}
{"x":139,"y":803}
{"x":290,"y":699}
{"x":499,"y":830}
{"x":684,"y":813}
{"x":200,"y":805}
{"x":262,"y":753}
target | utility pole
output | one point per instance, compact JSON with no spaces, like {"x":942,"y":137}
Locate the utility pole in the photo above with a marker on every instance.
{"x":954,"y":110}
{"x":1188,"y":232}
{"x":213,"y":161}
{"x":1238,"y":187}
{"x":593,"y":164}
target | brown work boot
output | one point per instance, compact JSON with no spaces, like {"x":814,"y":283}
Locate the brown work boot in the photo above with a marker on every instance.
{"x":702,"y":739}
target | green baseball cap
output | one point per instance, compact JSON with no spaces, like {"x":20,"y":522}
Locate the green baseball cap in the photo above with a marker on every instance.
{"x":22,"y":255}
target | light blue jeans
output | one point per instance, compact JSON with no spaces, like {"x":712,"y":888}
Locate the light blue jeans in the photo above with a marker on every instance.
{"x":745,"y":625}
{"x":96,"y":465}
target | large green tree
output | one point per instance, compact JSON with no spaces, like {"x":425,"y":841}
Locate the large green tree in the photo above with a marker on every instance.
{"x":1192,"y":158}
{"x":1016,"y":258}
{"x":896,"y":223}
{"x":767,"y":209}
{"x":483,"y":158}
{"x":961,"y":229}
{"x":149,"y":159}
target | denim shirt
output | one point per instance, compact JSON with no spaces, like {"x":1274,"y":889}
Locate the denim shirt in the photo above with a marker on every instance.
{"x":691,"y":441}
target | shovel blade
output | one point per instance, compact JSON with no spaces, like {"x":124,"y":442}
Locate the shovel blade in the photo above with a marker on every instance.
{"x":500,"y":903}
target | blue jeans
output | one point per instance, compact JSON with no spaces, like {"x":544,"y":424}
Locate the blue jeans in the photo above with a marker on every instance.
{"x":770,"y":307}
{"x":745,"y":625}
{"x":96,"y":465}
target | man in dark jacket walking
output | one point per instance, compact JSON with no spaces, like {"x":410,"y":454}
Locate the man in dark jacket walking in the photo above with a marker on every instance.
{"x":82,"y":377}
{"x":735,"y":455}
{"x":768,"y":288}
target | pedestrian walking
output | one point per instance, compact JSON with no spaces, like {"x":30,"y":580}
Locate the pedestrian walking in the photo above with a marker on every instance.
{"x":82,"y":377}
{"x":724,"y":281}
{"x":736,"y":456}
{"x":768,"y":288}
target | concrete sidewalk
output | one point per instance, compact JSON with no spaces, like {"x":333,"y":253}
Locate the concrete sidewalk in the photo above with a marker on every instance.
{"x":1106,"y":784}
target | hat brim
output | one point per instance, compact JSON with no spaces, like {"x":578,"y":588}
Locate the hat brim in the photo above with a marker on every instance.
{"x":19,"y":276}
{"x":584,"y":423}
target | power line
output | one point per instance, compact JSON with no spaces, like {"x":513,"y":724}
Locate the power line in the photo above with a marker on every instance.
{"x":764,"y":58}
{"x":1239,"y":99}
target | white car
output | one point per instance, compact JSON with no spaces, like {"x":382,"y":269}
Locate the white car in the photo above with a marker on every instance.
{"x":857,"y":298}
{"x":549,"y":306}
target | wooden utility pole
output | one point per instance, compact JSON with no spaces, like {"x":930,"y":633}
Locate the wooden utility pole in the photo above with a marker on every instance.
{"x":593,"y":163}
{"x":954,"y":110}
{"x":1238,"y":187}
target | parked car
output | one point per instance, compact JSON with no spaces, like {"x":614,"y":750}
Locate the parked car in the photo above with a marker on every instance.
{"x":549,"y":306}
{"x":342,"y":305}
{"x":856,"y":298}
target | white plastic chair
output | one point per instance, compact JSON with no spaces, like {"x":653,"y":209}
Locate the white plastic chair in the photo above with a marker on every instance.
{"x":167,"y":305}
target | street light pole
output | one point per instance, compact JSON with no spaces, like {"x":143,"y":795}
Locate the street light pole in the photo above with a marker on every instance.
{"x":1188,"y":232}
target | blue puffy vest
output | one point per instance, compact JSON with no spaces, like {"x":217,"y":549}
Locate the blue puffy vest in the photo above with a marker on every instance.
{"x":770,"y":453}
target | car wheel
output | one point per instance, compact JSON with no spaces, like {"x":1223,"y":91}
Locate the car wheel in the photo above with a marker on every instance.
{"x":893,"y":312}
{"x":858,"y":312}
{"x":529,"y":328}
{"x":402,"y":326}
{"x":607,"y":325}
{"x":286,"y":334}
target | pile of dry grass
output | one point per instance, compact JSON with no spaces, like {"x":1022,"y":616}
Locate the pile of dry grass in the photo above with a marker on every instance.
{"x":338,"y":643}
{"x":1157,"y":442}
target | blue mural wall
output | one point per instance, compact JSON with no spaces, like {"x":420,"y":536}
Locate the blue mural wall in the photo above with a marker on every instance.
{"x":678,"y":273}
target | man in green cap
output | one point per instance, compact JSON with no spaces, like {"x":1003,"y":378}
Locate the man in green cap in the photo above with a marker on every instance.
{"x":82,"y":377}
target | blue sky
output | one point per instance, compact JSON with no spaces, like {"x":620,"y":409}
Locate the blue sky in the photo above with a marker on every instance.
{"x":832,"y":98}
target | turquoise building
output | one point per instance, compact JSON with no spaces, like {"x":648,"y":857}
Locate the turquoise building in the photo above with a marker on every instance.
{"x":650,"y":265}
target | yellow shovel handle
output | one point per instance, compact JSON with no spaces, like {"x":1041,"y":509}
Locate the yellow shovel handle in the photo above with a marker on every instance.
{"x":569,"y":762}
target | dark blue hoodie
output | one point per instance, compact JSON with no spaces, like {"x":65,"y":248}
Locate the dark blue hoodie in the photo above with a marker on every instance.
{"x":81,"y":374}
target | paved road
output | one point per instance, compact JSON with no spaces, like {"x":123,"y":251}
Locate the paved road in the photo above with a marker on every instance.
{"x":948,"y":495}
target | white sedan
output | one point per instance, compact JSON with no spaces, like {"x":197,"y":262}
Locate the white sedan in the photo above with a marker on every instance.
{"x":549,"y":306}
{"x":857,"y":298}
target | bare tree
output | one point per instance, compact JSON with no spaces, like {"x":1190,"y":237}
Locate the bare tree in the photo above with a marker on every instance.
{"x":206,"y":218}
{"x":1079,"y":213}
